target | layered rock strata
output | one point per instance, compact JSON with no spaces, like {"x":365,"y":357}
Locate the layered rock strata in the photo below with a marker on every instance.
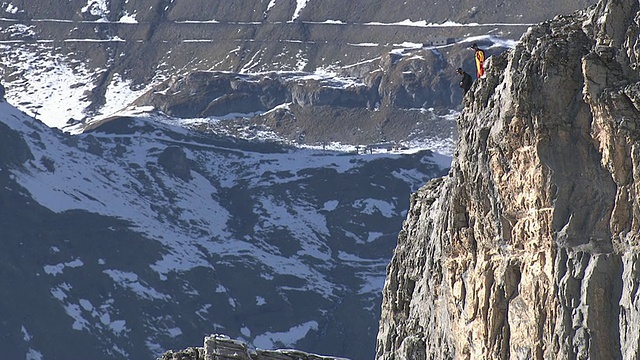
{"x":378,"y":101}
{"x":529,"y":248}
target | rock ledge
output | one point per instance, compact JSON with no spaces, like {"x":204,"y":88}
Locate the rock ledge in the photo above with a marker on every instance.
{"x":219,"y":347}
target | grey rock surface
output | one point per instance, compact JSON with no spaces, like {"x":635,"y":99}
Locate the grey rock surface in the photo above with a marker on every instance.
{"x":385,"y":106}
{"x":529,"y":248}
{"x":220,"y":347}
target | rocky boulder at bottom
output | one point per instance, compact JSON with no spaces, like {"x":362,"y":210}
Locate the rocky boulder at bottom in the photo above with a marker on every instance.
{"x":218,"y":347}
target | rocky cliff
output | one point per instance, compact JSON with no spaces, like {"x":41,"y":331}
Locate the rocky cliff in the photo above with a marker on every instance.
{"x":529,"y":248}
{"x":382,"y":100}
{"x":221,"y":347}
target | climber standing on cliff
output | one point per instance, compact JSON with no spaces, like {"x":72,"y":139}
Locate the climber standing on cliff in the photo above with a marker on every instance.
{"x":465,"y":80}
{"x":480,"y":57}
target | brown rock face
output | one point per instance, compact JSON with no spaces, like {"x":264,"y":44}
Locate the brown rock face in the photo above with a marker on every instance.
{"x":529,"y":249}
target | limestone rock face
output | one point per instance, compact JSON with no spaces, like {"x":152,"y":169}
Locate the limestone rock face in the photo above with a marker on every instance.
{"x":529,"y":248}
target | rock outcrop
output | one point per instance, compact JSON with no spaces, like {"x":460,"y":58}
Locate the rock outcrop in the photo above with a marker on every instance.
{"x":220,"y":347}
{"x":529,"y":248}
{"x":376,"y":101}
{"x":174,"y":161}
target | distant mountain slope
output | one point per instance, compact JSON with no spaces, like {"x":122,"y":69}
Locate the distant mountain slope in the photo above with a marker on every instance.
{"x":105,"y":52}
{"x":357,"y":11}
{"x":140,"y":237}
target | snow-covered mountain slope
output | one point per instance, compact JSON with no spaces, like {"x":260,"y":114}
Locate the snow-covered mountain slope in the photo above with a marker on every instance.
{"x":142,"y":236}
{"x":99,"y":55}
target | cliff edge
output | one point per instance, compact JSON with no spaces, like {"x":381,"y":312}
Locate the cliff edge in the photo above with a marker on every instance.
{"x":529,"y":248}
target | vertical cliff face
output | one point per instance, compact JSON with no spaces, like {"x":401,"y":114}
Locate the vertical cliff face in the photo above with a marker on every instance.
{"x":529,"y":248}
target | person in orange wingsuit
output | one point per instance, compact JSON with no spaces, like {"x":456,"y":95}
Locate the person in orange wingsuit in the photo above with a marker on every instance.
{"x":479,"y":60}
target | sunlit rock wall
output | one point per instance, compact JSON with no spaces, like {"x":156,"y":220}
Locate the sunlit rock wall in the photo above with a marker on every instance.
{"x":529,"y":248}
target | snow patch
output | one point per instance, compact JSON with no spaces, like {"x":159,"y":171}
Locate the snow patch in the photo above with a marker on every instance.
{"x":174,"y":332}
{"x":60,"y":292}
{"x":446,"y":24}
{"x":11,"y":9}
{"x":496,"y":41}
{"x":34,"y":355}
{"x":245,"y":331}
{"x":86,"y":304}
{"x":75,"y":312}
{"x":373,"y":236}
{"x":25,"y":334}
{"x":58,"y":87}
{"x":300,"y":5}
{"x":367,"y":44}
{"x":126,"y":18}
{"x":330,"y":205}
{"x":57,"y":269}
{"x":130,"y":281}
{"x":372,"y":206}
{"x":288,"y":338}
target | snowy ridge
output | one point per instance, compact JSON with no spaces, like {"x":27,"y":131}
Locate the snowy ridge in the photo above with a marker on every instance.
{"x":40,"y":76}
{"x":265,"y":214}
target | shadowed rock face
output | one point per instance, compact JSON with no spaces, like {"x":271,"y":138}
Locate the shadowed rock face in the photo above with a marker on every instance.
{"x":529,"y":249}
{"x":13,"y":150}
{"x":175,"y":162}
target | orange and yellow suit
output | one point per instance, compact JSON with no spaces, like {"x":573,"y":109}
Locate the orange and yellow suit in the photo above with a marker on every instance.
{"x":479,"y":62}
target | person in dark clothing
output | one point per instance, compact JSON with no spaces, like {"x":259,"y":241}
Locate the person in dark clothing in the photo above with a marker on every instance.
{"x":465,"y":80}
